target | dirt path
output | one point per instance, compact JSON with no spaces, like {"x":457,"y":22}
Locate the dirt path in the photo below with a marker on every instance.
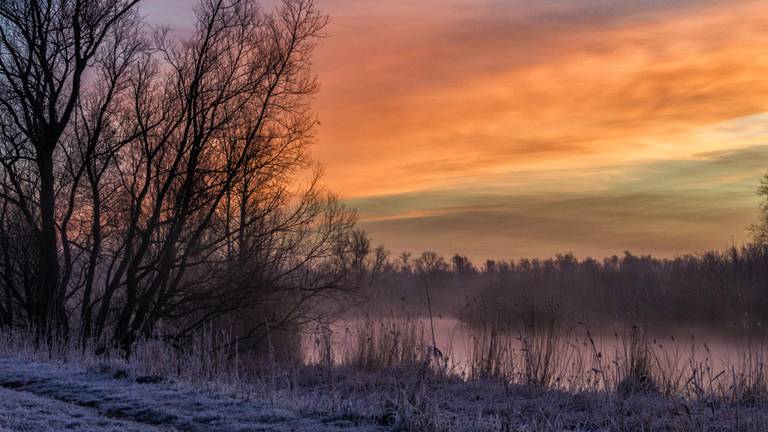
{"x":43,"y":397}
{"x":23,"y":411}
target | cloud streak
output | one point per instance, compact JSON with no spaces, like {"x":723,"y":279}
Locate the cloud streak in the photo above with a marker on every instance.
{"x":665,"y":208}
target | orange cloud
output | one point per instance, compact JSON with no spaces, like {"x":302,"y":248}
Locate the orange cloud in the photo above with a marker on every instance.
{"x":419,"y":95}
{"x":501,"y":128}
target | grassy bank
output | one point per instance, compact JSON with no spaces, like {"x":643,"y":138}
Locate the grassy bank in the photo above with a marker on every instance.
{"x":535,"y":378}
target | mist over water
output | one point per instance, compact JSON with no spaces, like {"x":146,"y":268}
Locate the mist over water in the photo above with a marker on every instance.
{"x":459,"y":343}
{"x":562,"y":322}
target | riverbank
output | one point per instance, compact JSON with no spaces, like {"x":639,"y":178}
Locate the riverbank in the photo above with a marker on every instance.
{"x":43,"y":396}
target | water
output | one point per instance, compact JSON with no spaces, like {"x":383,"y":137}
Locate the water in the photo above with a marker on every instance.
{"x":677,"y":352}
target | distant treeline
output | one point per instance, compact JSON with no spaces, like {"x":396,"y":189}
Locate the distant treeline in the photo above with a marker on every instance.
{"x":723,"y":289}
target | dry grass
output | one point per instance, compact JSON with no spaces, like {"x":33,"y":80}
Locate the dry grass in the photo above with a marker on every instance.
{"x":388,"y":343}
{"x":208,"y":359}
{"x":547,"y":355}
{"x":494,"y":353}
{"x":563,"y":373}
{"x":542,"y":354}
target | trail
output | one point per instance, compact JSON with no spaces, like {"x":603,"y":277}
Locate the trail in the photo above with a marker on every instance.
{"x":43,"y":397}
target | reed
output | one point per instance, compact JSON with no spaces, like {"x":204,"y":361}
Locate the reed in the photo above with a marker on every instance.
{"x":494,"y":353}
{"x":543,"y":354}
{"x":388,"y":343}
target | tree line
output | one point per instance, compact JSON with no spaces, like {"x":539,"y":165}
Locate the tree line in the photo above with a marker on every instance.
{"x":726,"y":289}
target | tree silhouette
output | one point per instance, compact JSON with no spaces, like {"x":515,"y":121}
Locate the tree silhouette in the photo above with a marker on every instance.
{"x":156,"y":180}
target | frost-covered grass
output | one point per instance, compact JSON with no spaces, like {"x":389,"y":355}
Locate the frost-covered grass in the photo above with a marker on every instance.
{"x":46,"y":397}
{"x":42,"y":389}
{"x":22,"y":411}
{"x":451,"y":404}
{"x":390,"y":384}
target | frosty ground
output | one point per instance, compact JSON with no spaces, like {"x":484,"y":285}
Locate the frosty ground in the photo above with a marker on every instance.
{"x":41,"y":396}
{"x":45,"y":397}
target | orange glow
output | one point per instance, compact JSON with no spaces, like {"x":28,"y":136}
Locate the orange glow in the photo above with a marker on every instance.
{"x":414,"y":100}
{"x":526,"y":128}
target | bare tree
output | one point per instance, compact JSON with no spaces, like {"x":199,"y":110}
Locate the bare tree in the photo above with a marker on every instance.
{"x":158,"y":177}
{"x":46,"y":50}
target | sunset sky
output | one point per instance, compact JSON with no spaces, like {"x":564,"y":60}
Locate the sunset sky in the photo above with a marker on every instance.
{"x":511,"y":128}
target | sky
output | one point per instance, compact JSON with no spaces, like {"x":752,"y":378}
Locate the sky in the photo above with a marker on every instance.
{"x":525,"y":128}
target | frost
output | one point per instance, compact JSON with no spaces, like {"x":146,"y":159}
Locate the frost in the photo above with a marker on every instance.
{"x":45,"y":397}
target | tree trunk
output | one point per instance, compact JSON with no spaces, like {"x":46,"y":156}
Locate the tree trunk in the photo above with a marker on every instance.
{"x":47,"y":309}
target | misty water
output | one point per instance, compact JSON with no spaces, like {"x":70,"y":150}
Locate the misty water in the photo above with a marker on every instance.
{"x":675,"y":351}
